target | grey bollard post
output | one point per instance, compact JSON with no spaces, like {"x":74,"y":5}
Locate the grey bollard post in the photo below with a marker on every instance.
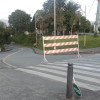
{"x":69,"y":90}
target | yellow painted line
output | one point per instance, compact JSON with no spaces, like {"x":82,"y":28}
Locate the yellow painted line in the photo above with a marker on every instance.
{"x":5,"y":58}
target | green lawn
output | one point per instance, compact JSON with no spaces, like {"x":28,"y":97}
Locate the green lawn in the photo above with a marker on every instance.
{"x":91,"y":42}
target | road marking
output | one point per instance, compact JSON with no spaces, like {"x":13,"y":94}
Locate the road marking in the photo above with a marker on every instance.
{"x":80,"y":67}
{"x":83,"y":59}
{"x":55,"y":67}
{"x":65,"y":69}
{"x":84,"y":64}
{"x":57,"y":78}
{"x":60,"y":79}
{"x":65,"y":74}
{"x":5,"y":58}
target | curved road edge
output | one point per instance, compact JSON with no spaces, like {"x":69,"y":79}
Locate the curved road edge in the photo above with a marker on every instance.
{"x":5,"y":58}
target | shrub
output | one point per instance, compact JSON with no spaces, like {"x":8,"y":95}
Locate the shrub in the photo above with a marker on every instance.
{"x":2,"y":47}
{"x":96,"y":34}
{"x":26,"y":40}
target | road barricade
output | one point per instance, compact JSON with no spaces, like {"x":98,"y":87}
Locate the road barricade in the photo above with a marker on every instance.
{"x":45,"y":45}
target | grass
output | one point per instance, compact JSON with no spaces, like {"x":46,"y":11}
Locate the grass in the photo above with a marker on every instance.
{"x":91,"y":42}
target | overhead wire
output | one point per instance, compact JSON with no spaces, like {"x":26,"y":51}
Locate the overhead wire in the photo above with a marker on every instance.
{"x":91,"y":7}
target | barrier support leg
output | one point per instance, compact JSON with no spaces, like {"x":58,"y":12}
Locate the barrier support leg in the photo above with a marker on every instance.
{"x":44,"y":61}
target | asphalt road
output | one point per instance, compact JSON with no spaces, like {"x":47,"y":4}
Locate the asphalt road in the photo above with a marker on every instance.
{"x":24,"y":57}
{"x":18,"y":85}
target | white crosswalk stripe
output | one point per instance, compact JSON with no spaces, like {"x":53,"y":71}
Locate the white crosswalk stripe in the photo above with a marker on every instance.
{"x":65,"y":74}
{"x":65,"y":69}
{"x":80,"y":67}
{"x":86,"y":71}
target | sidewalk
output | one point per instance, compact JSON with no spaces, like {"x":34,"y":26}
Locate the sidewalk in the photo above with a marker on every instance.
{"x":90,"y":51}
{"x":7,"y":47}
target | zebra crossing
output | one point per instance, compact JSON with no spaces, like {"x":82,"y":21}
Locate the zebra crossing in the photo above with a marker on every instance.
{"x":86,"y":71}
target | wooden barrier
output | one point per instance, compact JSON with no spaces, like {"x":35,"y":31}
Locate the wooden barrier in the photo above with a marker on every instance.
{"x":60,"y":44}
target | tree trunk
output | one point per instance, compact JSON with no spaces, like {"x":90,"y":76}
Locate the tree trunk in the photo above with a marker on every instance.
{"x":71,"y":30}
{"x":63,"y":32}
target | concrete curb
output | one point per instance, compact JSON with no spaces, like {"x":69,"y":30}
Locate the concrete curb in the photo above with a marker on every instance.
{"x":37,"y":51}
{"x":6,"y":50}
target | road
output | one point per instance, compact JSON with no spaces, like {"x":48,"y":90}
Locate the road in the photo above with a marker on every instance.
{"x":88,"y":33}
{"x":23,"y":77}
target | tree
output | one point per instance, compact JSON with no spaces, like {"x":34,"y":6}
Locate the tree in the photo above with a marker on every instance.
{"x":19,"y":20}
{"x":49,"y":15}
{"x":49,"y":5}
{"x":31,"y":27}
{"x":2,"y":25}
{"x":65,"y":13}
{"x":2,"y":30}
{"x":85,"y":25}
{"x":5,"y":33}
{"x":67,"y":18}
{"x":71,"y":16}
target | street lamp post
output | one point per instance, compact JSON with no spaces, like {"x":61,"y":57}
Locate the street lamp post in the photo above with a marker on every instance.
{"x":55,"y":20}
{"x":35,"y":30}
{"x":54,"y":17}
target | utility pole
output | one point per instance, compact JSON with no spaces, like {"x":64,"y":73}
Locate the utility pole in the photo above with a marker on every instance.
{"x":55,"y":20}
{"x":97,"y":23}
{"x":85,"y":10}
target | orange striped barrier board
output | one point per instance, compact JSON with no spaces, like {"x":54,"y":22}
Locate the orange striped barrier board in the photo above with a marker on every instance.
{"x":61,"y":50}
{"x":60,"y":37}
{"x":60,"y":44}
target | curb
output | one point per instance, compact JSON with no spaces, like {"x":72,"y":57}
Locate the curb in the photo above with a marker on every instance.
{"x":6,"y":50}
{"x":37,"y":51}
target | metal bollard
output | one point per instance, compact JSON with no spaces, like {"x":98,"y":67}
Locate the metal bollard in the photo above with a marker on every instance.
{"x":69,"y":90}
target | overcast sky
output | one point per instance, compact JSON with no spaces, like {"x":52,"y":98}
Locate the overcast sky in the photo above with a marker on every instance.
{"x":30,"y":6}
{"x":91,"y":8}
{"x":9,"y":6}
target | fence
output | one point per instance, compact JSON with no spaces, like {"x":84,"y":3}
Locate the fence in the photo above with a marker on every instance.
{"x":45,"y":45}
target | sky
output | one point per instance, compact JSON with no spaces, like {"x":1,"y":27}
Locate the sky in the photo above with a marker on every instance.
{"x":30,"y":6}
{"x":9,"y":6}
{"x":91,"y":8}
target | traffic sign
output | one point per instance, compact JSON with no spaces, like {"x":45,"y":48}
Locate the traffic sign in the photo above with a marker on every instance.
{"x":77,"y":90}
